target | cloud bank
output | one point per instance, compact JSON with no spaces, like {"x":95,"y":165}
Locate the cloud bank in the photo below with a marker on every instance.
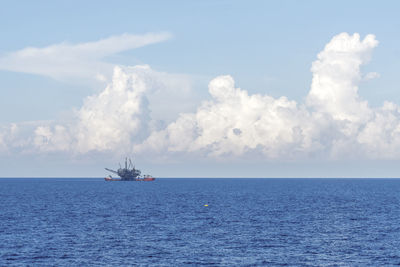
{"x":334,"y":122}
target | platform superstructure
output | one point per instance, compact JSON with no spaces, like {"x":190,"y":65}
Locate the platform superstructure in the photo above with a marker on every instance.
{"x":128,"y":173}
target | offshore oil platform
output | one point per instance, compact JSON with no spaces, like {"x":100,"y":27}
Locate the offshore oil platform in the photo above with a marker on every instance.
{"x":129,"y":173}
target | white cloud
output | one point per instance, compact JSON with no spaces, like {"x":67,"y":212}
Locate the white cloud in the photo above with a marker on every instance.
{"x":380,"y":136}
{"x":111,"y":119}
{"x":119,"y":116}
{"x":83,"y":60}
{"x":235,"y":123}
{"x":3,"y":141}
{"x":17,"y":137}
{"x":336,"y":75}
{"x":371,"y":75}
{"x":334,"y":122}
{"x":51,"y":140}
{"x":108,"y":121}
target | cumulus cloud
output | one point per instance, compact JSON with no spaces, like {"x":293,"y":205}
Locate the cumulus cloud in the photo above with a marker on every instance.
{"x":17,"y":137}
{"x":371,"y":75}
{"x":3,"y":141}
{"x":83,"y":60}
{"x":334,"y":121}
{"x":336,"y":75}
{"x":235,"y":122}
{"x":117,"y":117}
{"x":380,"y":136}
{"x":114,"y":117}
{"x":108,"y":121}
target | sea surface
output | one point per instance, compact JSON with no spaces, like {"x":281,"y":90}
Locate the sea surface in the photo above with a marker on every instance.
{"x":248,"y":222}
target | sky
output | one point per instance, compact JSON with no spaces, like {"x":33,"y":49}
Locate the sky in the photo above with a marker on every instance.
{"x":200,"y":88}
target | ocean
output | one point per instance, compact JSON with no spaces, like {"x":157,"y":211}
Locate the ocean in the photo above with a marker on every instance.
{"x":248,"y":222}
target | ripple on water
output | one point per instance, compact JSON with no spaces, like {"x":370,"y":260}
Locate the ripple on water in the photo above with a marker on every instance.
{"x":277,"y":222}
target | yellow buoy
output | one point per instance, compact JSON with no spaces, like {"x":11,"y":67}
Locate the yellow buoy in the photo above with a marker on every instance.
{"x":206,"y":205}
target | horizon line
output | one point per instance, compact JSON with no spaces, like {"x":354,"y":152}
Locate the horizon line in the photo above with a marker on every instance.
{"x":182,"y":177}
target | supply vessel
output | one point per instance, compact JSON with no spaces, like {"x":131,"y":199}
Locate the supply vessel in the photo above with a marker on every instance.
{"x":129,"y":173}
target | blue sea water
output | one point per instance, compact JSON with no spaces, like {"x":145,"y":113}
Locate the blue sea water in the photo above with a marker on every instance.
{"x":248,"y":222}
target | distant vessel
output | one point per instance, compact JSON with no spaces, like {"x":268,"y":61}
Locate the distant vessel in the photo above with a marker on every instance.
{"x":129,"y":173}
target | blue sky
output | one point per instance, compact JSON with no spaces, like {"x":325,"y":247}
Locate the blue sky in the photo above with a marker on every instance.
{"x":267,"y":47}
